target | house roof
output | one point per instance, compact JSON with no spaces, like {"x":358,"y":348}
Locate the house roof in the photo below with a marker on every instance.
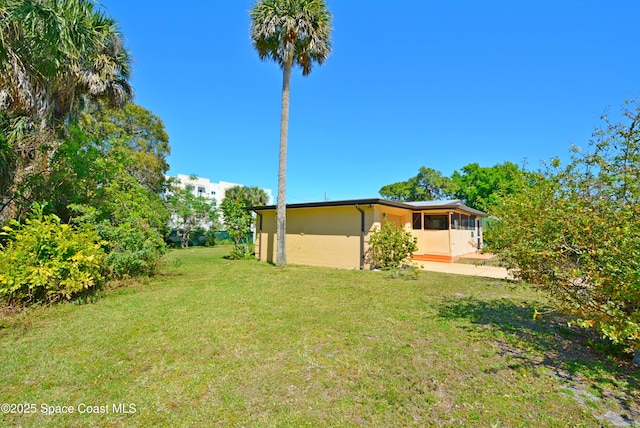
{"x":413,"y":206}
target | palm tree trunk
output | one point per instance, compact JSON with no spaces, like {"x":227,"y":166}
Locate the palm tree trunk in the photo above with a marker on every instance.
{"x":281,"y":209}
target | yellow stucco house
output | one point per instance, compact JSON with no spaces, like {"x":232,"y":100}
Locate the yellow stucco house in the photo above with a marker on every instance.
{"x":336,"y":233}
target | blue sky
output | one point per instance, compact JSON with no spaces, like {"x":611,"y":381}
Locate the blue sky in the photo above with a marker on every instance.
{"x":409,"y":83}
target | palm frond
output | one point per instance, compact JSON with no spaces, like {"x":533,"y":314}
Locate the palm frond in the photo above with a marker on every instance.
{"x":296,"y":31}
{"x":54,"y":52}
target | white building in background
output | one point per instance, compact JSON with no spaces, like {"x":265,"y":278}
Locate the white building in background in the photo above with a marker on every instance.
{"x":213,"y":192}
{"x":209,"y":190}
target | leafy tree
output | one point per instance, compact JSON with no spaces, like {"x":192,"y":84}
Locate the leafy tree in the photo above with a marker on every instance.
{"x":249,"y":196}
{"x":237,"y":219}
{"x":91,"y":172}
{"x":481,"y":187}
{"x":402,"y":191}
{"x":89,"y":183}
{"x":289,"y":32}
{"x":135,"y":129}
{"x":574,"y":231}
{"x":427,"y":185}
{"x":59,"y":58}
{"x":94,"y":188}
{"x":188,"y":211}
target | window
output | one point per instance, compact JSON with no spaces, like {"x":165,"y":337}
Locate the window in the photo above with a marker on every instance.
{"x":465,"y":222}
{"x":456,"y":221}
{"x":436,"y":222}
{"x":462,"y":222}
{"x":417,"y":221}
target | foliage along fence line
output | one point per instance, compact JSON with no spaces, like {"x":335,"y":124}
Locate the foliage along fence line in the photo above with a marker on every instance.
{"x":204,"y":238}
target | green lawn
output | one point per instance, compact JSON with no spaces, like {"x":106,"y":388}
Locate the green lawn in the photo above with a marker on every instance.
{"x":213,"y":342}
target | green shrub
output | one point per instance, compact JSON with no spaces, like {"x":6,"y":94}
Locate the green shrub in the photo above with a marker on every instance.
{"x":132,"y":244}
{"x":391,"y":247}
{"x":210,"y":238}
{"x":45,"y":260}
{"x":573,"y":231}
{"x":242,"y":252}
{"x":132,"y":249}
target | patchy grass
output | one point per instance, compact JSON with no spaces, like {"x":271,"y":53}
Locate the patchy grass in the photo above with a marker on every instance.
{"x":214,"y":342}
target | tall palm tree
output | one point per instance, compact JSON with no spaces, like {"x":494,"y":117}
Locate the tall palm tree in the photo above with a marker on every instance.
{"x":289,"y":32}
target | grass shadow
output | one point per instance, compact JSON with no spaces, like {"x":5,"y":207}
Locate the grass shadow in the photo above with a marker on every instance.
{"x":573,"y":354}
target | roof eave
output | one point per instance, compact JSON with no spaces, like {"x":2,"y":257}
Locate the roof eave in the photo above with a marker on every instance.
{"x":374,"y":201}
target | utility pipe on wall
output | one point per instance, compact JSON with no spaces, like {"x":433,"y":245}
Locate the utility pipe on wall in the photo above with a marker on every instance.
{"x":361,"y":236}
{"x":259,"y":233}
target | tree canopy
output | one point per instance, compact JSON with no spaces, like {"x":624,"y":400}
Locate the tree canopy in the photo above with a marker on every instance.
{"x":482,"y":187}
{"x":136,"y":130}
{"x":479,"y":187}
{"x":292,"y":32}
{"x":53,"y":53}
{"x":428,"y":185}
{"x":71,"y":146}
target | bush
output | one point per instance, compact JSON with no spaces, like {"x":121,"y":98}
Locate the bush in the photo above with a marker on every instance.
{"x":391,"y":247}
{"x":574,"y":232}
{"x":45,"y":260}
{"x":242,"y":252}
{"x":132,"y":245}
{"x":132,"y":249}
{"x":210,"y":238}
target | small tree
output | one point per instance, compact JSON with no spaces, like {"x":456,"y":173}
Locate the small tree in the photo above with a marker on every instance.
{"x":189,"y":212}
{"x":391,"y":248}
{"x":237,"y":219}
{"x":574,"y":232}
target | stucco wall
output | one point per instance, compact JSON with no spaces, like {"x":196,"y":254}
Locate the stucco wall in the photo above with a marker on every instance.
{"x":462,"y":242}
{"x":433,"y":242}
{"x":321,"y":236}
